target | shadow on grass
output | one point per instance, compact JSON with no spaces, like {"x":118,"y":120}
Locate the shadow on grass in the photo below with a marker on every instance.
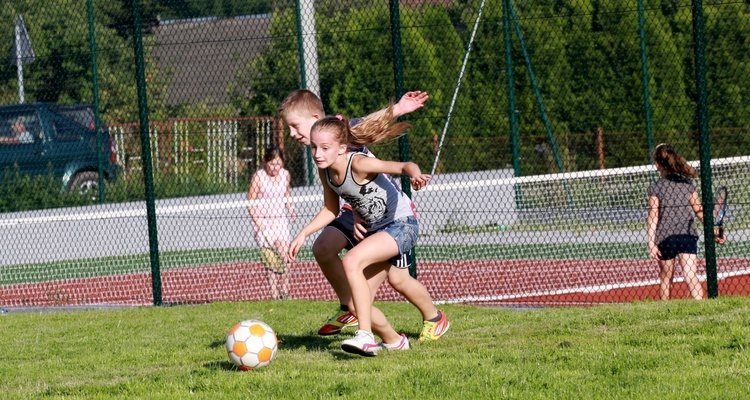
{"x":221,"y":365}
{"x":310,"y":342}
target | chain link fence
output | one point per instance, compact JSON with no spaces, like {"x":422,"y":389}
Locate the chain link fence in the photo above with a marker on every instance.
{"x":148,"y":119}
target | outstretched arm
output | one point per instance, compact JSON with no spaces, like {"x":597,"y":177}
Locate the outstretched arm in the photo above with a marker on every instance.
{"x":410,"y":102}
{"x":365,"y":168}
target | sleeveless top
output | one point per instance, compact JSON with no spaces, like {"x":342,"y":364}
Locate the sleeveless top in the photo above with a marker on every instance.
{"x":380,"y":201}
{"x":272,"y":188}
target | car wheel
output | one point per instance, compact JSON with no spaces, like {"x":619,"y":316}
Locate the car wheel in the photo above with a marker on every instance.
{"x":86,"y":183}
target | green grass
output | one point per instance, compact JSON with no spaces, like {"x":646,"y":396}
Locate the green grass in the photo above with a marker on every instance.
{"x":653,"y":350}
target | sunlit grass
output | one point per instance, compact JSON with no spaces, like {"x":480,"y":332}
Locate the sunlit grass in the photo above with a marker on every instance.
{"x":652,"y":350}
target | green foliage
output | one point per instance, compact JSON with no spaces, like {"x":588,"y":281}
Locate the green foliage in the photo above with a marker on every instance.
{"x":617,"y":351}
{"x":21,"y":192}
{"x":585,"y":55}
{"x":62,"y":71}
{"x":586,"y":59}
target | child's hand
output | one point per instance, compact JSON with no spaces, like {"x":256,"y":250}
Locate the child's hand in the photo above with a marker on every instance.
{"x":360,"y":226}
{"x":410,"y":102}
{"x":295,"y":246}
{"x":419,"y":181}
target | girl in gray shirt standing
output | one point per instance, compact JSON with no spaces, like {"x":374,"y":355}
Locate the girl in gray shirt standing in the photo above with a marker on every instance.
{"x":673,"y":205}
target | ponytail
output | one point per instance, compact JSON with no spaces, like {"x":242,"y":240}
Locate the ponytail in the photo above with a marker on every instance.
{"x":667,"y":157}
{"x":370,"y":130}
{"x":378,"y":129}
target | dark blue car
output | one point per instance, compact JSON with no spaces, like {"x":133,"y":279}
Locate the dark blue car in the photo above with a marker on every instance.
{"x":40,"y":138}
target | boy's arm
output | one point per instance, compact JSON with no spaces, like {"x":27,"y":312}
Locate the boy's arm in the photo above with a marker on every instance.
{"x":410,"y":102}
{"x":325,"y":216}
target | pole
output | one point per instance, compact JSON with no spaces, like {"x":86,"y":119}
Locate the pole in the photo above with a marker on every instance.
{"x":699,"y":48}
{"x":19,"y":63}
{"x":645,"y":79}
{"x":148,"y":177}
{"x":97,"y":117}
{"x":398,"y":75}
{"x":307,"y":50}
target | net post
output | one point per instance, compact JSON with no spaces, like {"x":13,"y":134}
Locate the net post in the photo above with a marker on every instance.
{"x":699,"y":49}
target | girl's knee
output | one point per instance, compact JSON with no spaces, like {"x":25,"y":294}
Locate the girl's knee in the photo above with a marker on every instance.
{"x":351,"y":265}
{"x":323,"y":251}
{"x":399,"y":278}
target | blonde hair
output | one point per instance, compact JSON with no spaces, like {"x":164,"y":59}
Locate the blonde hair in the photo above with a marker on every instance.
{"x":667,"y":157}
{"x":370,"y":130}
{"x":301,"y":102}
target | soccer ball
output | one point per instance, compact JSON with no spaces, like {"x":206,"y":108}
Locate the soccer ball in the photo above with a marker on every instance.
{"x":251,"y":344}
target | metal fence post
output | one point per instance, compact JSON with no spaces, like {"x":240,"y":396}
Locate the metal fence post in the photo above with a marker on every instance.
{"x":95,"y":89}
{"x":148,"y":177}
{"x":699,"y":48}
{"x":398,"y":75}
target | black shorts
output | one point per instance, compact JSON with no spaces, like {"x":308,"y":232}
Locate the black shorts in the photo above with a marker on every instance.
{"x":344,"y":223}
{"x":678,"y":244}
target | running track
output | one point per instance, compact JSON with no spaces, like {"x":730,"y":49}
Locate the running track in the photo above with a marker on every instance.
{"x":482,"y":282}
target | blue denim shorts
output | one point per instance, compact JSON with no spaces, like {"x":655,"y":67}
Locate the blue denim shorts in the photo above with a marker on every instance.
{"x":404,"y":232}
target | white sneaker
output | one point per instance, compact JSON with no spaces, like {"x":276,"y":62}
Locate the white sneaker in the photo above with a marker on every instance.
{"x":363,"y":343}
{"x":402,"y":344}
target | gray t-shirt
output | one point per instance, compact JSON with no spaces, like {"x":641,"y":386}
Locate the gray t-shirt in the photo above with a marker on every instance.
{"x":676,"y":216}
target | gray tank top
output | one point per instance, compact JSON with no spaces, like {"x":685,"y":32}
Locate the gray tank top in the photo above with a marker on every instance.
{"x":380,"y":201}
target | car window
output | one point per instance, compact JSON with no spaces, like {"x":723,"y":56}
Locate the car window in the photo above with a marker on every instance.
{"x":64,"y":131}
{"x":19,"y":128}
{"x":80,"y":115}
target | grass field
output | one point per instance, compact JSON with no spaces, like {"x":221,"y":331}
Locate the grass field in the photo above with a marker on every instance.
{"x":646,"y":350}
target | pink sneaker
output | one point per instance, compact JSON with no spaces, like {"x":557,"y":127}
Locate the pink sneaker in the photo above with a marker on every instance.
{"x":363,"y":343}
{"x":402,"y":344}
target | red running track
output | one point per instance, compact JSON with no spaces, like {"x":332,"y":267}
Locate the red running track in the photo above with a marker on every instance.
{"x":483,"y":282}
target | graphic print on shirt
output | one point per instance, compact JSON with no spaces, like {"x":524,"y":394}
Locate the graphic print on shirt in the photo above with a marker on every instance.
{"x":372,"y":205}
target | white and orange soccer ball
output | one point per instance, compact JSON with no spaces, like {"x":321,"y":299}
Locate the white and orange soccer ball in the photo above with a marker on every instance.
{"x":251,"y":344}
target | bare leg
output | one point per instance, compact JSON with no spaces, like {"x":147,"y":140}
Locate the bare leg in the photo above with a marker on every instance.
{"x":326,"y":250}
{"x":273,"y":283}
{"x":375,"y":275}
{"x":282,"y":247}
{"x":665,"y":276}
{"x":376,"y":248}
{"x":414,"y":291}
{"x":689,"y":263}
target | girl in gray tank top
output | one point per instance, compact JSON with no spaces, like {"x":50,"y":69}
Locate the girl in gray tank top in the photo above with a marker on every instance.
{"x":365,"y":183}
{"x":673,"y":205}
